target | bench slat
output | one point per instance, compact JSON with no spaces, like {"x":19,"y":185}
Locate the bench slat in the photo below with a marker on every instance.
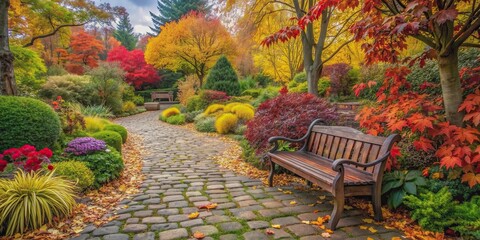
{"x":349,"y":133}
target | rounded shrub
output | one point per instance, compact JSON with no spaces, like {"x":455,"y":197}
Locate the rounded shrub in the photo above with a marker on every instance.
{"x":222,"y":77}
{"x":105,"y":165}
{"x":112,"y":139}
{"x":170,"y":112}
{"x":30,"y":200}
{"x":226,"y":123}
{"x":214,"y":108}
{"x":176,"y":119}
{"x":77,"y":172}
{"x":228,"y":107}
{"x":129,"y":107}
{"x":119,"y":129}
{"x":95,"y":124}
{"x":190,"y":116}
{"x":206,"y":124}
{"x":243,"y":112}
{"x":27,"y":121}
{"x":194,"y":103}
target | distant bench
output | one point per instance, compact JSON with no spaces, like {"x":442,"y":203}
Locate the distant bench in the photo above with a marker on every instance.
{"x":162,"y":95}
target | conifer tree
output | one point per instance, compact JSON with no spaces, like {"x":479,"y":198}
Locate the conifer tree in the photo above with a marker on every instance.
{"x":124,"y":33}
{"x":222,"y":77}
{"x":172,"y":10}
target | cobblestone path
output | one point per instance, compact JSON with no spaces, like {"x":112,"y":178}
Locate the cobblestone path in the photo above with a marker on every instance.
{"x":180,"y":176}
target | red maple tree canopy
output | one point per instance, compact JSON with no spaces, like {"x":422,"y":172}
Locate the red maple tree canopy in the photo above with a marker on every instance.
{"x":138,"y":72}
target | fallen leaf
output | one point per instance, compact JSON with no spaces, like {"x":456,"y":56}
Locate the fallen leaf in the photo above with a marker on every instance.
{"x":306,"y":222}
{"x":326,"y":235}
{"x":199,"y":235}
{"x":193,"y":215}
{"x":293,"y":202}
{"x":369,"y":238}
{"x":316,"y":211}
{"x":363,"y":227}
{"x":322,"y":197}
{"x":277,"y":226}
{"x":396,"y":238}
{"x":279,"y":189}
{"x":372,"y":230}
{"x":208,"y":206}
{"x":368,"y":220}
{"x":269,"y":232}
{"x":311,"y":205}
{"x":288,"y":192}
{"x":329,"y":231}
{"x":388,"y":227}
{"x":122,"y":188}
{"x":348,"y":207}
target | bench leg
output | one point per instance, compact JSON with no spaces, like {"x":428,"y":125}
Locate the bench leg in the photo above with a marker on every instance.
{"x":272,"y":172}
{"x":377,"y":204}
{"x":339,"y":203}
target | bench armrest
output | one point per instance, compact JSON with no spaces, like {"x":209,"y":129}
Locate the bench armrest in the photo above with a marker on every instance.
{"x":337,"y":164}
{"x":275,"y":139}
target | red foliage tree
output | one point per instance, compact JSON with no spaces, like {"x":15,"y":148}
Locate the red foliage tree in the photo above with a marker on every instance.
{"x":85,"y":50}
{"x":138,"y":72}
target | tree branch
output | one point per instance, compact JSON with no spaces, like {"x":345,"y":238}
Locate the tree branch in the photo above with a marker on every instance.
{"x":32,"y":41}
{"x":473,"y":45}
{"x":337,"y":50}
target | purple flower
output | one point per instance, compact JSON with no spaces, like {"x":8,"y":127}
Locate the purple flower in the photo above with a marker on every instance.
{"x":85,"y":145}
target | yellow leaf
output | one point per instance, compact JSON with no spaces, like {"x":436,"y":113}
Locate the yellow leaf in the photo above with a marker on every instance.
{"x":363,"y":227}
{"x":369,"y":238}
{"x":306,"y":222}
{"x":279,"y":189}
{"x":322,"y":197}
{"x":372,"y":230}
{"x":287,"y":192}
{"x":326,"y":235}
{"x":348,"y":207}
{"x":17,"y":235}
{"x":396,"y":238}
{"x":277,"y":226}
{"x":311,"y":205}
{"x":122,"y":188}
{"x":43,"y":228}
{"x":388,"y":227}
{"x":368,"y":220}
{"x":293,"y":202}
{"x":193,"y":215}
{"x":329,"y":231}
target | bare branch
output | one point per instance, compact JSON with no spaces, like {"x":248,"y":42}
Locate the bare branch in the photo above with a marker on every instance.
{"x":32,"y":41}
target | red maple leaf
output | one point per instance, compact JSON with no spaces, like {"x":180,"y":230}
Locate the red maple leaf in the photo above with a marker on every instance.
{"x":451,"y":162}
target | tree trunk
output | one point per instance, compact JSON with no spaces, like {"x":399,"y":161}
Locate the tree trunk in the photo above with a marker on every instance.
{"x":451,"y":87}
{"x":313,"y":75}
{"x":7,"y":77}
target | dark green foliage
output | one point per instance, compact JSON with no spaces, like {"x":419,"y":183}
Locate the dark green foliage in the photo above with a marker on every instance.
{"x":172,"y":10}
{"x":247,"y":83}
{"x":119,"y":129}
{"x":300,"y":77}
{"x":222,"y":77}
{"x":169,"y":78}
{"x":323,"y":85}
{"x":432,"y":210}
{"x":459,"y":190}
{"x":112,"y":139}
{"x":398,"y":184}
{"x":249,"y":155}
{"x":105,"y":165}
{"x":124,"y":33}
{"x":178,"y":119}
{"x":263,"y":80}
{"x":27,"y":121}
{"x":190,"y":116}
{"x":252,"y":92}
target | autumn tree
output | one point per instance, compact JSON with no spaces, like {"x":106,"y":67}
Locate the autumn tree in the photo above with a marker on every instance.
{"x":7,"y":78}
{"x":193,"y":45}
{"x":124,"y":32}
{"x":173,"y":10}
{"x":85,"y":49}
{"x":138,"y":72}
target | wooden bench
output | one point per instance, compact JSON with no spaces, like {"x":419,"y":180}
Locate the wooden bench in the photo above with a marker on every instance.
{"x":162,"y":95}
{"x":341,"y":160}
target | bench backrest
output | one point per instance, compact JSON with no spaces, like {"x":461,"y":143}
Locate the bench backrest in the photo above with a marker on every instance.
{"x":335,"y":142}
{"x":155,"y":95}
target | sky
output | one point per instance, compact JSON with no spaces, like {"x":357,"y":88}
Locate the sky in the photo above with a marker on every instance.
{"x":139,"y":11}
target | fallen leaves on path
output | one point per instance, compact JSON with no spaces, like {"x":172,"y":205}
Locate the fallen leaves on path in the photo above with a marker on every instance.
{"x":208,"y":206}
{"x":193,"y":215}
{"x":98,"y":202}
{"x":199,"y":235}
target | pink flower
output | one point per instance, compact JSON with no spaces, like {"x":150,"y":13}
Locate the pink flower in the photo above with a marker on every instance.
{"x":3,"y":164}
{"x":46,"y":152}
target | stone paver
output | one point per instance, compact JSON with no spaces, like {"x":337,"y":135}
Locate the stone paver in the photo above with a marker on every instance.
{"x":180,"y":176}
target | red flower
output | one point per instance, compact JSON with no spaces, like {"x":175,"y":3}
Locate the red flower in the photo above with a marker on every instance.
{"x":46,"y":152}
{"x":3,"y":164}
{"x":26,"y":149}
{"x":59,"y":98}
{"x":50,"y":167}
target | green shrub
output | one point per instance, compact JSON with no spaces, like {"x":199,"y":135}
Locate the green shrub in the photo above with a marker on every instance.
{"x":96,"y":111}
{"x":95,"y":124}
{"x":247,"y":83}
{"x":119,"y":129}
{"x":138,"y":100}
{"x":27,"y":121}
{"x":459,"y":190}
{"x":195,"y":103}
{"x":105,"y":165}
{"x":56,"y":70}
{"x":77,"y":172}
{"x":31,"y":200}
{"x":72,"y":88}
{"x":241,"y":129}
{"x":176,"y":119}
{"x":107,"y":83}
{"x":111,"y":138}
{"x":252,"y":92}
{"x":397,"y":184}
{"x":323,"y":86}
{"x":300,"y":77}
{"x":129,"y":107}
{"x":299,"y":88}
{"x":467,"y":218}
{"x":266,"y":94}
{"x":222,"y":77}
{"x":190,"y":116}
{"x":205,"y":124}
{"x":29,"y":69}
{"x":263,"y":80}
{"x":249,"y":155}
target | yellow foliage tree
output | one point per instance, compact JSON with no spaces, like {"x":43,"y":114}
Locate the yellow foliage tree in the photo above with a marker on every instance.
{"x":193,"y":44}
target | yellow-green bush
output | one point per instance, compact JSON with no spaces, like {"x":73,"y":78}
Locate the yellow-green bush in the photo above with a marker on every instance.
{"x":31,"y":200}
{"x":95,"y":124}
{"x":214,"y":108}
{"x":129,"y":107}
{"x":226,"y":123}
{"x":77,"y":172}
{"x":243,"y":111}
{"x":170,"y":112}
{"x":228,"y":107}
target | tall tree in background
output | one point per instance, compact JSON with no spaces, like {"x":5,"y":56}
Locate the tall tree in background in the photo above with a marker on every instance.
{"x":7,"y":77}
{"x":173,"y":10}
{"x":124,"y":32}
{"x":192,"y":45}
{"x":85,"y":52}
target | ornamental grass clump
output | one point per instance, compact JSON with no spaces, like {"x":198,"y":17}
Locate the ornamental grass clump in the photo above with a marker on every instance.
{"x":85,"y":145}
{"x":226,"y":123}
{"x":214,"y":108}
{"x":77,"y":172}
{"x":228,"y":107}
{"x":243,"y":111}
{"x":33,"y":199}
{"x":169,"y":112}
